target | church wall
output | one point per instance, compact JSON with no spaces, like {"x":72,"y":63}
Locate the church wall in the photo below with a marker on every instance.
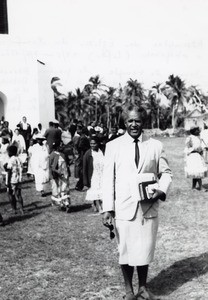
{"x":19,"y":85}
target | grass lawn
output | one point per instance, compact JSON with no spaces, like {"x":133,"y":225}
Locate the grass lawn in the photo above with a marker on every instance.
{"x":48,"y":254}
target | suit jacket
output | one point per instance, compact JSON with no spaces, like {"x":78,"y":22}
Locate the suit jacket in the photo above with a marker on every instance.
{"x":87,"y":168}
{"x":121,"y":176}
{"x":26,"y":133}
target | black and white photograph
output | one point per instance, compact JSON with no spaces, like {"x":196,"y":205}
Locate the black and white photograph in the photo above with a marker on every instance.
{"x":103,"y":150}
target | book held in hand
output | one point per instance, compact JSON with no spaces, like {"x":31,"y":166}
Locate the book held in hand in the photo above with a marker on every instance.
{"x":147,"y":184}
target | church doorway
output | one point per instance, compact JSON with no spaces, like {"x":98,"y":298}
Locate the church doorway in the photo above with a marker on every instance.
{"x":3,"y":102}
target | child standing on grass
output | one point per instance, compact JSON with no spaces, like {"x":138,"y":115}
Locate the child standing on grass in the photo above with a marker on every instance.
{"x":30,"y":169}
{"x":59,"y":176}
{"x":195,"y":166}
{"x":14,"y":178}
{"x":93,"y":173}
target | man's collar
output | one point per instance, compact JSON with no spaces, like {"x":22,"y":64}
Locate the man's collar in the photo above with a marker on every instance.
{"x":131,"y":139}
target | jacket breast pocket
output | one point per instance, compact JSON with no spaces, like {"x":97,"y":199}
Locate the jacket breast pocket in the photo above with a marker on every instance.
{"x":150,"y":166}
{"x":149,"y":211}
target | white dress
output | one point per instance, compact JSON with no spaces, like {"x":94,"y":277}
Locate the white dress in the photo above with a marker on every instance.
{"x":40,"y":166}
{"x":195,"y":166}
{"x":95,"y":191}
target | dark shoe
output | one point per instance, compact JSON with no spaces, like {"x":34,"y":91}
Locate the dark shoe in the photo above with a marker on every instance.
{"x":144,"y":294}
{"x":68,"y":209}
{"x":130,"y":296}
{"x":42,"y":194}
{"x":1,"y":221}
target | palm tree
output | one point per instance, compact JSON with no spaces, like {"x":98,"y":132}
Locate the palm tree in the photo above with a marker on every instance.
{"x":196,"y":99}
{"x":155,"y":95}
{"x":175,"y":91}
{"x":61,"y":109}
{"x":109,"y":103}
{"x":60,"y":100}
{"x":97,"y":89}
{"x":134,"y":92}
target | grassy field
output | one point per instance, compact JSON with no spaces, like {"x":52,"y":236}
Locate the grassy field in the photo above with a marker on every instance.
{"x":48,"y":254}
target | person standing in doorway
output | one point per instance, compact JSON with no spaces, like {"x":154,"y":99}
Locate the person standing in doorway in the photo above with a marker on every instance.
{"x":25,"y":131}
{"x":136,"y":176}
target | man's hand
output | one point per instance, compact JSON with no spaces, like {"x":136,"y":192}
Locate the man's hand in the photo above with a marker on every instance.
{"x":107,"y":218}
{"x":158,"y":195}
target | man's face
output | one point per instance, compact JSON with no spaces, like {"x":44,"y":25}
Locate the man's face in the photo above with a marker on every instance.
{"x":24,"y":119}
{"x":134,"y":124}
{"x":16,"y":131}
{"x":113,"y":130}
{"x":93,"y":145}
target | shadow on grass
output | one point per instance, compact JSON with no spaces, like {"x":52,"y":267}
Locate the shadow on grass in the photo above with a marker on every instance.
{"x":25,"y":187}
{"x":48,"y":193}
{"x":4,"y":203}
{"x":76,"y":208}
{"x":178,"y":274}
{"x":36,"y":205}
{"x":205,"y":186}
{"x":18,"y":218}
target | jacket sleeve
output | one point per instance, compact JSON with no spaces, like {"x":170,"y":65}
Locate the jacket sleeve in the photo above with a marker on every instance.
{"x":164,"y":172}
{"x":109,"y":178}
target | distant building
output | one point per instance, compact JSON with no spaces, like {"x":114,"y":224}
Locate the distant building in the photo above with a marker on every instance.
{"x":195,"y":118}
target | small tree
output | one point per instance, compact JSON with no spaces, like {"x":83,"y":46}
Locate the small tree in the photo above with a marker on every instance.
{"x":175,"y":91}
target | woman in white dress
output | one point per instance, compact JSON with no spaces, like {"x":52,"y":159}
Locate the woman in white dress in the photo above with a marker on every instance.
{"x":195,"y":166}
{"x":40,"y":164}
{"x":18,"y":139}
{"x":93,"y":173}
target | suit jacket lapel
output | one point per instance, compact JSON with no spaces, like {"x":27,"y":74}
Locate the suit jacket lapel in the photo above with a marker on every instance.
{"x":143,"y":151}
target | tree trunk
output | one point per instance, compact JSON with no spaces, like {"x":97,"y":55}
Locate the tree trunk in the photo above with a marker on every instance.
{"x":158,"y":117}
{"x":174,"y":118}
{"x":96,"y":109}
{"x":108,"y":116}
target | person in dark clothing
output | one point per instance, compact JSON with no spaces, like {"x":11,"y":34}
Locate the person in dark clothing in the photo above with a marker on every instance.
{"x":58,"y":132}
{"x":114,"y":133}
{"x":52,"y":136}
{"x":25,"y":130}
{"x":81,"y":145}
{"x":73,"y":127}
{"x":6,"y":131}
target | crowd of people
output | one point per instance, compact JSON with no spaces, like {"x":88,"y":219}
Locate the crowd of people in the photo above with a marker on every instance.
{"x":46,"y":154}
{"x":125,"y":172}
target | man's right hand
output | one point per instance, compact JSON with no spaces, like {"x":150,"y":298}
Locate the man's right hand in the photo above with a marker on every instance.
{"x":107,"y":218}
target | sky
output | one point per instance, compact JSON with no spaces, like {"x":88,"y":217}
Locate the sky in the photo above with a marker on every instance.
{"x":147,"y":40}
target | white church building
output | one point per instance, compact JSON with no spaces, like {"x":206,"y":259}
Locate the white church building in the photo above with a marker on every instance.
{"x":25,"y":84}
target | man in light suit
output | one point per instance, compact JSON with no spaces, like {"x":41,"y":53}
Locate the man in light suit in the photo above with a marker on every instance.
{"x":131,"y":161}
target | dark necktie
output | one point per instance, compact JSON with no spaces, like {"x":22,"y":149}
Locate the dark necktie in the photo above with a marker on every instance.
{"x":136,"y":152}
